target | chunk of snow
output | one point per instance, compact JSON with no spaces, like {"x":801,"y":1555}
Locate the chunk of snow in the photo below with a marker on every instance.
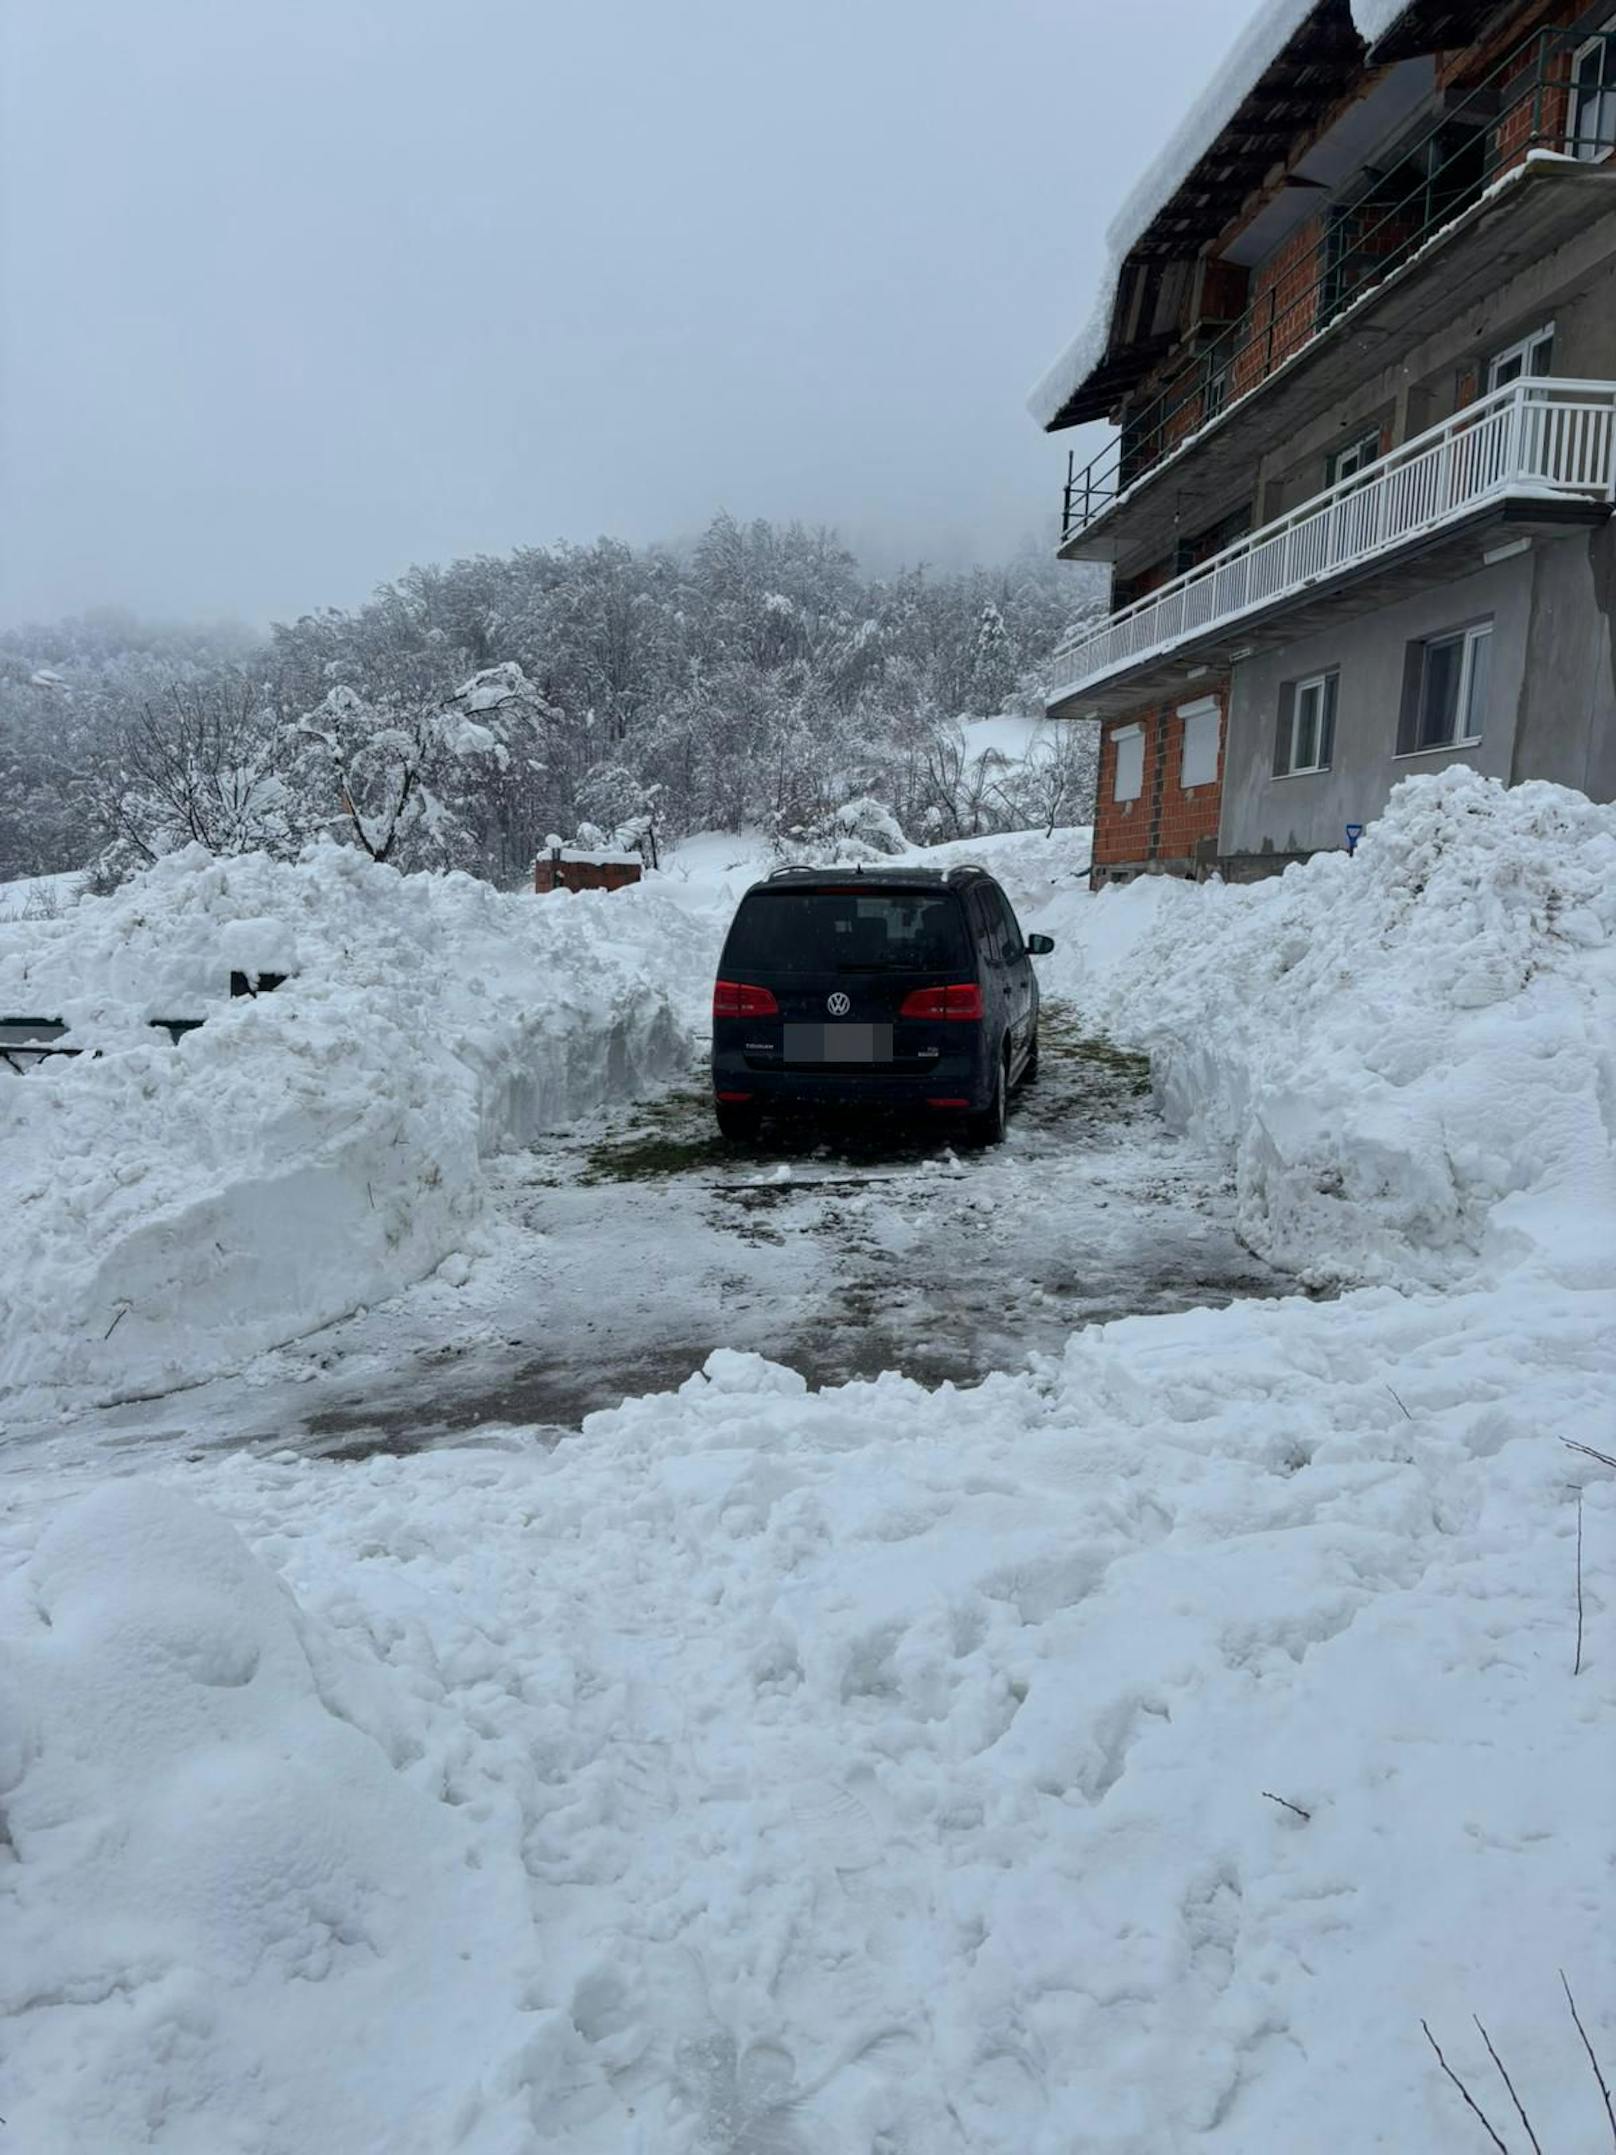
{"x":1373,"y":18}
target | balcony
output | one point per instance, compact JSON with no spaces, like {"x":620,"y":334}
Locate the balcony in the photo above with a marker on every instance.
{"x":1501,"y":177}
{"x":1534,"y":456}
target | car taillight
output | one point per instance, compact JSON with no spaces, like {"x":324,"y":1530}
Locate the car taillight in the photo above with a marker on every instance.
{"x":962,"y":1001}
{"x":735,"y":999}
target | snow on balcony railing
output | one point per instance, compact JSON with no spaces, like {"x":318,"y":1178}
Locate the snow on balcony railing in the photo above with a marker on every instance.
{"x":1535,"y":437}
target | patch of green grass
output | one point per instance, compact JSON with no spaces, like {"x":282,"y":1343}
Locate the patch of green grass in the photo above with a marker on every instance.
{"x":1061,"y":1039}
{"x":674,"y":1135}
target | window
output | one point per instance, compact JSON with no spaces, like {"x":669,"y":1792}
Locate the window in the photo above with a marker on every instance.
{"x":1532,"y":355}
{"x":1305,"y":739}
{"x":1445,"y":691}
{"x":1591,"y":126}
{"x":1347,"y":463}
{"x":1130,"y":777}
{"x":1202,"y":725}
{"x":781,"y":930}
{"x":1006,"y":931}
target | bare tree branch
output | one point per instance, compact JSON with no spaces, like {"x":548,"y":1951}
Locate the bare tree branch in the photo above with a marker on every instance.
{"x":1587,"y":2046}
{"x":1296,"y":1807}
{"x":1470,"y":2100}
{"x":1514,"y":2098}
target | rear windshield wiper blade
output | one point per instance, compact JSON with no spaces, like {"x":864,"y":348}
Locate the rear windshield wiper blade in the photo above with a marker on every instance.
{"x":888,"y":965}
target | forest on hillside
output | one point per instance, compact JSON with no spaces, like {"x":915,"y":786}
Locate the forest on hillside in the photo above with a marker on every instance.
{"x":465,"y":715}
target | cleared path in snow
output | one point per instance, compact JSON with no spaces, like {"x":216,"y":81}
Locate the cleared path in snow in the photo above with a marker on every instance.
{"x":623,"y":1250}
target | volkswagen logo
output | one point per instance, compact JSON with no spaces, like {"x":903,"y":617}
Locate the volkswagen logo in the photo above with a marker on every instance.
{"x":838,"y":1004}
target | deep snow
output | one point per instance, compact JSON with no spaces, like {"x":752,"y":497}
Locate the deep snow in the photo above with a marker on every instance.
{"x":175,"y":1208}
{"x":886,"y":1769}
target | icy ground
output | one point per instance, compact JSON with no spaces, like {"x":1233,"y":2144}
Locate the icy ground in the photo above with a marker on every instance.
{"x":625,"y":1248}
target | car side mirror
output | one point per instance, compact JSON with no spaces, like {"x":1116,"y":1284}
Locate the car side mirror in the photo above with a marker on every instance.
{"x":1039,"y":946}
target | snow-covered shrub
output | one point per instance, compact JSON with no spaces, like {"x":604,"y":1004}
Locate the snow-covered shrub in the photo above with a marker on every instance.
{"x":858,"y":830}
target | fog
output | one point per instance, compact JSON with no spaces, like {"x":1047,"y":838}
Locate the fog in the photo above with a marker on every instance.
{"x":297,"y":293}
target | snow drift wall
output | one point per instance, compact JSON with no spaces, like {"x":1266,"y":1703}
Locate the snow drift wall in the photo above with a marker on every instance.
{"x":1410,"y":1055}
{"x":177,"y":1208}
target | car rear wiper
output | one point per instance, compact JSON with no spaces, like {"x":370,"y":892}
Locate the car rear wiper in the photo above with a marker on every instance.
{"x":886,"y":965}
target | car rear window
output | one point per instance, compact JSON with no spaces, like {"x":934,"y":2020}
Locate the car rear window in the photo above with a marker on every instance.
{"x":847,"y":931}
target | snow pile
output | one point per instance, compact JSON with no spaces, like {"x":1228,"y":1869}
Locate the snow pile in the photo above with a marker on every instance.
{"x":1411,"y":1054}
{"x":1127,"y":1755}
{"x":1264,"y":38}
{"x":175,"y":1209}
{"x":227,"y":1850}
{"x":880,"y":1769}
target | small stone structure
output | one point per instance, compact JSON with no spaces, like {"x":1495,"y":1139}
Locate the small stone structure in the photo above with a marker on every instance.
{"x":570,"y":868}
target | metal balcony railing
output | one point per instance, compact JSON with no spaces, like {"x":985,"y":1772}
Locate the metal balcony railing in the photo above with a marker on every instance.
{"x":1535,"y":439}
{"x":1554,"y":92}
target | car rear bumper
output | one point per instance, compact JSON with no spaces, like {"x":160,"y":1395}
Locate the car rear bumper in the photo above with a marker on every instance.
{"x":805,"y":1091}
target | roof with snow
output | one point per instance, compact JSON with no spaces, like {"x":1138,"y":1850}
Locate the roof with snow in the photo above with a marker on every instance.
{"x":1295,"y":61}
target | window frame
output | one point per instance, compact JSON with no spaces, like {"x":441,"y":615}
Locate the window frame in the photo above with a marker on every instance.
{"x":1327,"y":680}
{"x":1203,"y":707}
{"x":1334,"y":475}
{"x":1595,"y":155}
{"x":1473,"y":634}
{"x":1522,"y":348}
{"x":1130,"y":733}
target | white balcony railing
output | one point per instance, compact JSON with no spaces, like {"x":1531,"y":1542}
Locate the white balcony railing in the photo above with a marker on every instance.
{"x":1537,"y":438}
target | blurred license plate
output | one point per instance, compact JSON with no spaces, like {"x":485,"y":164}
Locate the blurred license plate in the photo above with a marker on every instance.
{"x":838,"y":1043}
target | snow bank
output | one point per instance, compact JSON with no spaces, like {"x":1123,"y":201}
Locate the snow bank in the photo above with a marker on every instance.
{"x":175,"y":1209}
{"x":1411,"y":1055}
{"x":1127,"y":1755}
{"x":877,"y":1769}
{"x":1265,"y":36}
{"x":227,"y":1850}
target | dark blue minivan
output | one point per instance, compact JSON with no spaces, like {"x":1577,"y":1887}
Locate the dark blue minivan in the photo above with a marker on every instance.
{"x":894,"y":988}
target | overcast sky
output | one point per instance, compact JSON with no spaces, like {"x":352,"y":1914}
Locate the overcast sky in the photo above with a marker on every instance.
{"x":296,"y":292}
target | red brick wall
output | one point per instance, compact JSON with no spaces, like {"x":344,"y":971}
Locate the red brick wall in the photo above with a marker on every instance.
{"x":1528,"y":120}
{"x":1122,"y":828}
{"x":1283,"y":315}
{"x":1166,"y":822}
{"x":1185,"y":819}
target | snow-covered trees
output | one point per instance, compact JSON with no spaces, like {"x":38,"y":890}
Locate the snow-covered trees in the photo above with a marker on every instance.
{"x":399,"y":775}
{"x":755,"y":679}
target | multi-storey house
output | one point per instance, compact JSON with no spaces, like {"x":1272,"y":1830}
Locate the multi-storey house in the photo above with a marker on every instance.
{"x":1359,"y":349}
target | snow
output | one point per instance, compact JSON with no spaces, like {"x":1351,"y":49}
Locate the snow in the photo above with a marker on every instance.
{"x":175,"y":1209}
{"x":1373,"y":18}
{"x":1127,"y":1753}
{"x":1265,"y":36}
{"x":1410,"y":1054}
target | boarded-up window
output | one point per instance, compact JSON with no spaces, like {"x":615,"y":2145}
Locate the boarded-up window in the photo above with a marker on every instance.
{"x":1202,"y":724}
{"x":1130,"y":777}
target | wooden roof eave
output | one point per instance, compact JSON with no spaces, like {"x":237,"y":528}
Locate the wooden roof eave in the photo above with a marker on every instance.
{"x":1318,"y":67}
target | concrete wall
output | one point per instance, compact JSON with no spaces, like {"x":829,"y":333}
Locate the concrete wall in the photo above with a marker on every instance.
{"x":1263,"y":814}
{"x":1567,"y":724}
